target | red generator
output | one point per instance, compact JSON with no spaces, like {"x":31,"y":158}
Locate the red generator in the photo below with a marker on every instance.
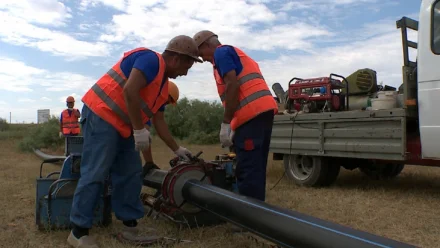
{"x":315,"y":95}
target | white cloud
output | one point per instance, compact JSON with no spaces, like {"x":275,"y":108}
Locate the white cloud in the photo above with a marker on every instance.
{"x":46,"y":99}
{"x":16,"y":76}
{"x":26,"y":100}
{"x":19,"y":20}
{"x":48,"y":12}
{"x":153,"y":27}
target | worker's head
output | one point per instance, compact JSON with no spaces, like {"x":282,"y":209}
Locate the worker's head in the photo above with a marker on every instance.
{"x":173,"y":93}
{"x":70,"y":102}
{"x":207,"y":42}
{"x":180,"y":55}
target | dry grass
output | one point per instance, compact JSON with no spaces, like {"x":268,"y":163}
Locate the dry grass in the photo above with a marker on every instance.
{"x":404,"y":209}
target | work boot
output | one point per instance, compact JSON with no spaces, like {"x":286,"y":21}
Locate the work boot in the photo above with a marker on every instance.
{"x":83,"y":242}
{"x":135,"y":236}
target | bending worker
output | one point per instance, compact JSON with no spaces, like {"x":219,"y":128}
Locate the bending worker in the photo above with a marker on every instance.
{"x":173,"y":97}
{"x":115,"y":111}
{"x":69,"y":125}
{"x":249,"y":110}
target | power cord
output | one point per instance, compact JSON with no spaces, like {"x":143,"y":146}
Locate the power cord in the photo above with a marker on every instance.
{"x":290,"y":150}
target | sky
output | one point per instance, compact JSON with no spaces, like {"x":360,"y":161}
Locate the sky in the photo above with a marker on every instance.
{"x":51,"y":49}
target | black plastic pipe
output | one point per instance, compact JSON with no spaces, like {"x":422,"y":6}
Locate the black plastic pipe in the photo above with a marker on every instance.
{"x":154,"y":178}
{"x":283,"y":227}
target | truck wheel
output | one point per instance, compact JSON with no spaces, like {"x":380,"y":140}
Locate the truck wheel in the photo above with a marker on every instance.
{"x":382,"y":171}
{"x":310,"y":171}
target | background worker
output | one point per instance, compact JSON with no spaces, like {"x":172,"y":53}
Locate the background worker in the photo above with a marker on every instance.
{"x":173,"y":97}
{"x":69,"y":125}
{"x":115,"y":111}
{"x":249,"y":110}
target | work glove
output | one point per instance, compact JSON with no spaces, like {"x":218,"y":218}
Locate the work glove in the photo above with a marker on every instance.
{"x":147,"y":167}
{"x":141,"y":139}
{"x":184,"y":153}
{"x":226,"y":135}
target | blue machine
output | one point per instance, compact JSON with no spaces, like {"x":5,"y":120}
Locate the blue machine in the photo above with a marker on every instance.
{"x":228,"y":163}
{"x":55,"y":192}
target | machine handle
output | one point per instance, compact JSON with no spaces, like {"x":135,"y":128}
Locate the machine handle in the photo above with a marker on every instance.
{"x":346,"y":88}
{"x":295,"y":78}
{"x":47,"y":161}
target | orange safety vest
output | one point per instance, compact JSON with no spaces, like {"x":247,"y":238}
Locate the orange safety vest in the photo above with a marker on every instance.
{"x":106,"y":98}
{"x":70,"y":123}
{"x":254,"y":96}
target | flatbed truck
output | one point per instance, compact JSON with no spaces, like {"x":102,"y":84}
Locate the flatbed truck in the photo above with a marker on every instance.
{"x":314,"y":146}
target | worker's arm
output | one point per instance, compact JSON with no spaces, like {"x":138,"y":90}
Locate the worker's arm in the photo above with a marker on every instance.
{"x":61,"y":122}
{"x":136,"y":81}
{"x":231,"y":95}
{"x":77,"y":113}
{"x":227,"y":63}
{"x":147,"y":154}
{"x":162,"y":130}
{"x":142,"y":71}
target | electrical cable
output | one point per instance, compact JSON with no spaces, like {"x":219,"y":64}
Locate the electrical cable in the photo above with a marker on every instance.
{"x":290,"y":151}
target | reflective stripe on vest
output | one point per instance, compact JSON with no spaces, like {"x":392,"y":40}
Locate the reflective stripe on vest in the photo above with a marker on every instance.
{"x":254,"y":96}
{"x":107,"y":100}
{"x":244,"y":79}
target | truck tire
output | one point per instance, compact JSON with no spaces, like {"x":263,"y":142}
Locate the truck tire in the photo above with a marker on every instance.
{"x":310,"y":171}
{"x":382,"y":171}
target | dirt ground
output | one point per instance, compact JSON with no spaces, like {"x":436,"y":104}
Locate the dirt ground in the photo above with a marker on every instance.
{"x":404,"y":209}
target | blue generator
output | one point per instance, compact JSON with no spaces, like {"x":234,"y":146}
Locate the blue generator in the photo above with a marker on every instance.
{"x":55,"y":191}
{"x":226,"y":180}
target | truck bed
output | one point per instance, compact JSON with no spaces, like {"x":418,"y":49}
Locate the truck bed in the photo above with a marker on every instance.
{"x":374,"y":134}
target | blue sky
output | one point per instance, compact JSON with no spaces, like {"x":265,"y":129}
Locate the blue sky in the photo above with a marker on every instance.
{"x":50,"y":49}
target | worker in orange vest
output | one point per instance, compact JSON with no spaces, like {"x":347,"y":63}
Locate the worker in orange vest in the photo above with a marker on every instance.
{"x":116,"y":109}
{"x":249,"y":110}
{"x":69,"y":125}
{"x":173,"y":92}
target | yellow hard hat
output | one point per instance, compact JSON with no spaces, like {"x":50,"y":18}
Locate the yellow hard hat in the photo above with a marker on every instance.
{"x":185,"y":45}
{"x":203,"y":36}
{"x":173,"y":92}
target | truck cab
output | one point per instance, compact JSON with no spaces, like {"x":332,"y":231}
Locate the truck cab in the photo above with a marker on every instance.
{"x":428,"y":78}
{"x":315,"y":136}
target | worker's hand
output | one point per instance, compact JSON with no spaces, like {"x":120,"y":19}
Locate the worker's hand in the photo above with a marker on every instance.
{"x":60,"y":134}
{"x":184,"y":153}
{"x":141,"y":139}
{"x":147,"y":167}
{"x":225,"y":135}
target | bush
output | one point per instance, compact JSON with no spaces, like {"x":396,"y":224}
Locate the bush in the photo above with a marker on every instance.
{"x":44,"y":135}
{"x":4,"y":125}
{"x":194,"y":120}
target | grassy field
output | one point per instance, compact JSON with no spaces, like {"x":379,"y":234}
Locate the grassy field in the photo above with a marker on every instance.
{"x":405,"y":209}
